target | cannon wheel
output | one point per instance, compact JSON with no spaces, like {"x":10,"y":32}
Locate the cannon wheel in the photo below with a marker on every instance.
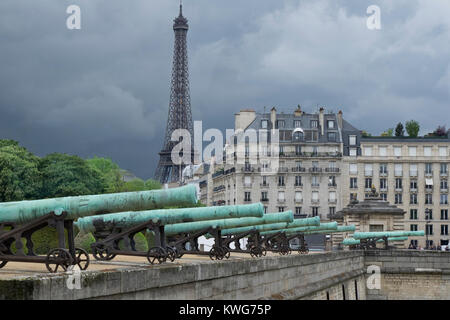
{"x":263,"y":251}
{"x":81,"y":258}
{"x":171,"y":253}
{"x":255,"y":252}
{"x":216,"y":253}
{"x":101,"y":253}
{"x":58,"y":258}
{"x":226,"y":252}
{"x":156,"y":254}
{"x":3,"y":263}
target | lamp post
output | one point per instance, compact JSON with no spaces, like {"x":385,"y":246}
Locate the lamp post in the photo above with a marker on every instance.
{"x":427,"y":217}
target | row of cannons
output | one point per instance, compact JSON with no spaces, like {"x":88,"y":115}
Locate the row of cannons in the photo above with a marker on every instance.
{"x":114,"y":220}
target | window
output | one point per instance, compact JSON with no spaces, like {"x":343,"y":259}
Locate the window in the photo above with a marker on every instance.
{"x":444,"y":229}
{"x":314,"y":123}
{"x":353,"y":183}
{"x":382,"y":151}
{"x":332,"y":211}
{"x":352,"y":140}
{"x":264,"y":196}
{"x":428,"y":198}
{"x":443,"y":168}
{"x":368,"y":151}
{"x":315,"y":211}
{"x":413,"y":214}
{"x":280,"y":209}
{"x":368,"y":183}
{"x":247,"y":196}
{"x":264,"y":124}
{"x":332,"y":181}
{"x":298,"y":196}
{"x":429,"y":229}
{"x":398,"y":183}
{"x":413,"y":170}
{"x":298,"y":210}
{"x":428,"y":168}
{"x":311,"y":135}
{"x":368,"y":169}
{"x":444,"y":214}
{"x":281,"y":195}
{"x":398,"y":169}
{"x":353,"y":168}
{"x":352,"y":152}
{"x":413,"y":185}
{"x":427,"y":151}
{"x":298,"y":150}
{"x":315,"y":196}
{"x":353,"y":196}
{"x":266,"y":209}
{"x":398,"y":151}
{"x":330,"y":124}
{"x":298,"y":181}
{"x":280,"y":181}
{"x":297,"y":124}
{"x":383,"y":184}
{"x":315,"y":181}
{"x":264,"y":180}
{"x":412,"y":151}
{"x":428,"y":185}
{"x":332,"y":196}
{"x":398,"y":198}
{"x":444,"y":198}
{"x":383,"y":168}
{"x":247,"y":181}
{"x":413,"y":227}
{"x":413,"y":198}
{"x":442,"y":151}
{"x":280,"y":123}
{"x":428,"y":214}
{"x":281,"y":150}
{"x":383,"y":196}
{"x":331,"y":136}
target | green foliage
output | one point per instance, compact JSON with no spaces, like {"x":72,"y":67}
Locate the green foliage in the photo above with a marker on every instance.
{"x":66,"y":175}
{"x":151,"y":184}
{"x":110,"y":173}
{"x":46,"y":239}
{"x":140,"y":185}
{"x":388,"y":133}
{"x":20,"y":178}
{"x":399,"y":130}
{"x":365,"y":134}
{"x":413,"y":128}
{"x":84,"y":241}
{"x":140,"y":242}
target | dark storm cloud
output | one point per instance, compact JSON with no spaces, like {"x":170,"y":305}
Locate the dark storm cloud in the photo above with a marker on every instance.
{"x":104,"y":90}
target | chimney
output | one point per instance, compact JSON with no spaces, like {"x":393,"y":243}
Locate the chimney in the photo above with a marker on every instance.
{"x":339,"y":119}
{"x":298,"y":111}
{"x":321,"y":120}
{"x":244,"y":118}
{"x":273,"y":117}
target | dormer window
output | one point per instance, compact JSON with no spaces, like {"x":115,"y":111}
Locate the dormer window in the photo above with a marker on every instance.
{"x":264,"y":124}
{"x":314,"y":123}
{"x":297,"y":124}
{"x":280,"y":123}
{"x":330,"y":124}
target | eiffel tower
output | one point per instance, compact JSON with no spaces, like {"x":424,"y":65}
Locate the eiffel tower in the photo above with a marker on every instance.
{"x":180,"y":115}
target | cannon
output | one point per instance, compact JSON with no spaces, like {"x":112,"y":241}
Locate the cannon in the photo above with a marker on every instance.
{"x":255,"y":245}
{"x":353,"y":242}
{"x":282,"y":237}
{"x":110,"y":230}
{"x":21,"y":219}
{"x":187,"y":234}
{"x":369,"y":240}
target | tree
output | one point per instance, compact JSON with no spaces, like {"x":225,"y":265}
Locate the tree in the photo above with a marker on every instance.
{"x":413,"y":128}
{"x":20,"y":178}
{"x":399,"y":131}
{"x":365,"y":134}
{"x":110,"y":172}
{"x":65,"y":175}
{"x":388,"y":133}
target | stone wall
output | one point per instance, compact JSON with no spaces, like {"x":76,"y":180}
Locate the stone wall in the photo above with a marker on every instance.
{"x":410,"y":274}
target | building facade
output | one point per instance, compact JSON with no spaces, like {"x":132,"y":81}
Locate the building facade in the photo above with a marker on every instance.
{"x":411,"y":173}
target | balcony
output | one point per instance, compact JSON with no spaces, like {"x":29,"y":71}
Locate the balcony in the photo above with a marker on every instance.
{"x":413,"y":190}
{"x":383,"y":173}
{"x":310,"y":154}
{"x":385,"y":189}
{"x":315,"y":185}
{"x":315,"y":170}
{"x":428,"y":174}
{"x":428,"y":190}
{"x":217,"y":174}
{"x":444,"y":190}
{"x":298,"y":185}
{"x":332,"y":170}
{"x":262,"y":169}
{"x":219,"y":188}
{"x":298,"y":200}
{"x":298,"y":169}
{"x":248,"y":185}
{"x":283,"y":169}
{"x":332,"y":200}
{"x":368,"y":173}
{"x":332,"y":185}
{"x":264,"y":199}
{"x":264,"y":185}
{"x":281,"y":185}
{"x":247,"y":169}
{"x":315,"y":200}
{"x":248,"y":200}
{"x":443,"y":174}
{"x":398,"y":189}
{"x":281,"y":200}
{"x":398,"y":173}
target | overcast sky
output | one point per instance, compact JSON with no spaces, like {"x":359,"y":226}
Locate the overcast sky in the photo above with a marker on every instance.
{"x":104,"y":90}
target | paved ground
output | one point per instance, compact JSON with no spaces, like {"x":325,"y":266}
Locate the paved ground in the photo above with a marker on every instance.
{"x":17,"y":270}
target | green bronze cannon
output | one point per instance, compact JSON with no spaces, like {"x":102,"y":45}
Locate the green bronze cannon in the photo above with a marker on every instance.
{"x":369,"y":240}
{"x":112,"y":229}
{"x":186,"y":235}
{"x":21,"y":219}
{"x":352,"y":241}
{"x":254,"y":245}
{"x":284,"y":236}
